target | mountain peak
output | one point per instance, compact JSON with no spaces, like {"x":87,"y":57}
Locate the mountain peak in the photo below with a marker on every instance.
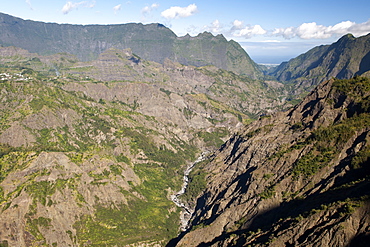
{"x":345,"y":39}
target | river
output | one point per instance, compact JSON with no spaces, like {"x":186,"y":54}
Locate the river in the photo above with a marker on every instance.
{"x":186,"y":212}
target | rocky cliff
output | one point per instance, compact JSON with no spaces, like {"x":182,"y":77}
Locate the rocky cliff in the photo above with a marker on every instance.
{"x":153,"y":42}
{"x":294,"y":178}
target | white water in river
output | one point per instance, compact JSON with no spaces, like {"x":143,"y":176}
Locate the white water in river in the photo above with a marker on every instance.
{"x":186,"y":212}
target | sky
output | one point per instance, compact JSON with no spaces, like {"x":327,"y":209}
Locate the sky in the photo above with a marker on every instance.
{"x":270,"y":31}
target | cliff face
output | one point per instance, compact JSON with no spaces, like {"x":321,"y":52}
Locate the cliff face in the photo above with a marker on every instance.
{"x":297,"y":178}
{"x":153,"y":42}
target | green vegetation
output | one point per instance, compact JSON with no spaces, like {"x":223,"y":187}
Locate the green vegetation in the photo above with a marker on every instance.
{"x":326,"y":142}
{"x":197,"y":182}
{"x":268,"y":193}
{"x":11,"y":160}
{"x":167,"y":92}
{"x":126,"y":226}
{"x":149,"y":215}
{"x":239,"y":223}
{"x":252,"y":133}
{"x":361,"y":158}
{"x":352,"y":87}
{"x":267,"y":176}
{"x":213,"y":139}
{"x":140,"y":220}
{"x":4,"y":243}
{"x":124,"y":159}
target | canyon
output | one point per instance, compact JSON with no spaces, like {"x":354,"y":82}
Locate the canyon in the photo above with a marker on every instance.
{"x":127,"y":135}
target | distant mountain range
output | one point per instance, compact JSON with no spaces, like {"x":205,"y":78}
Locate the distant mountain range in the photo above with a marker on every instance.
{"x":153,"y":42}
{"x":345,"y":58}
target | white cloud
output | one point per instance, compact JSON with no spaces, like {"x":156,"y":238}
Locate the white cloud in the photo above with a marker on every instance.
{"x":69,"y":6}
{"x":117,"y":8}
{"x":29,"y":4}
{"x":215,"y":27}
{"x":287,"y":33}
{"x":237,"y":24}
{"x":179,"y":12}
{"x":314,"y":31}
{"x":338,"y":28}
{"x":360,"y":29}
{"x":238,"y":29}
{"x":250,"y":31}
{"x":306,"y":31}
{"x":148,"y":9}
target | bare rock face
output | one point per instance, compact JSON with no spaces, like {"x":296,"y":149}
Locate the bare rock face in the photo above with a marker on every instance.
{"x":17,"y":136}
{"x":297,"y":178}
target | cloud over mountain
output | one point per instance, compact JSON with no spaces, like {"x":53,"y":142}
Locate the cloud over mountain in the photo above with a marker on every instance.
{"x":239,"y":30}
{"x":69,"y":6}
{"x":305,"y":31}
{"x":176,"y":12}
{"x":29,"y":4}
{"x":148,"y":9}
{"x":117,"y":8}
{"x":314,"y":31}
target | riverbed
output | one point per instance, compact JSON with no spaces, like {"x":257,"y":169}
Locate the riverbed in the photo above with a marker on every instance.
{"x":186,"y":212}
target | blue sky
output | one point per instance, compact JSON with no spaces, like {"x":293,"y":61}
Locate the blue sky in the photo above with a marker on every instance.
{"x":271,"y":31}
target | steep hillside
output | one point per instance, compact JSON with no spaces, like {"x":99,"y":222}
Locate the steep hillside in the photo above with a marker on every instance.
{"x":206,"y":49}
{"x":77,"y":171}
{"x":210,"y":84}
{"x":347,"y":57}
{"x":295,"y":178}
{"x":92,"y":152}
{"x":153,"y":42}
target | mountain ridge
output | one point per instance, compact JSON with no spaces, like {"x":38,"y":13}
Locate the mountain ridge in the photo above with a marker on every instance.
{"x":344,"y":59}
{"x":153,"y":42}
